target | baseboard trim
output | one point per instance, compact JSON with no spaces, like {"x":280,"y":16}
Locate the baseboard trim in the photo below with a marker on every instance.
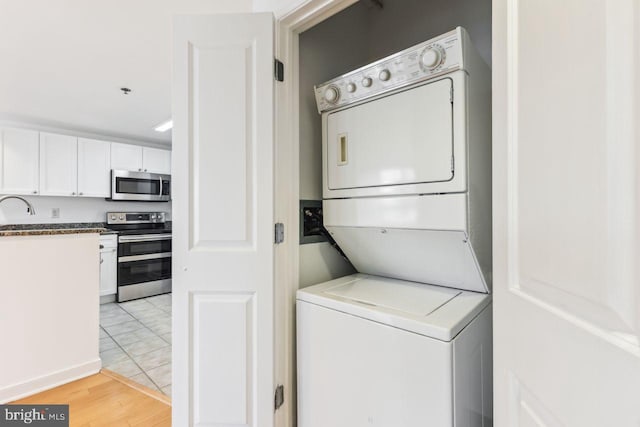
{"x":45,"y":382}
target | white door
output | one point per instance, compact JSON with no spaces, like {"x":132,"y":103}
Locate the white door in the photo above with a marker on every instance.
{"x":94,"y":168}
{"x":58,"y":165}
{"x":156,"y":160}
{"x":19,"y":160}
{"x":223,"y":220}
{"x":415,"y":145}
{"x":566,"y":212}
{"x":126,"y":157}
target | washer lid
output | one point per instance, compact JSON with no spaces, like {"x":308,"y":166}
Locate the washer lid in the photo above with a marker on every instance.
{"x":433,"y":311}
{"x":407,"y":297}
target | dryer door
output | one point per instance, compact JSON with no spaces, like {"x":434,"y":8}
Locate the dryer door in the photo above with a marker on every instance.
{"x":404,"y":138}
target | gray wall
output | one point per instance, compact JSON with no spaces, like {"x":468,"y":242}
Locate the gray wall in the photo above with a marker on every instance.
{"x":355,"y":37}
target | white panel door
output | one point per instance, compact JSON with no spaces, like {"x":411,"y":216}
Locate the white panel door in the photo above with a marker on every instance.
{"x":156,"y":160}
{"x":94,"y":168}
{"x":126,"y":157}
{"x":19,"y":161}
{"x":223,"y":220}
{"x":58,"y":165}
{"x":566,"y":212}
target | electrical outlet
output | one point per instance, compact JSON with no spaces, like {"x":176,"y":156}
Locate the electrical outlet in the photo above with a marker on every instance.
{"x":55,"y":212}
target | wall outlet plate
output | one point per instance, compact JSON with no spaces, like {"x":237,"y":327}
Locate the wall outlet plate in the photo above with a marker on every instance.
{"x":311,"y":222}
{"x":55,"y":212}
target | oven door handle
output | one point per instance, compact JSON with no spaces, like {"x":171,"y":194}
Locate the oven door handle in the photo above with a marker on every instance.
{"x":144,"y":257}
{"x":144,"y":238}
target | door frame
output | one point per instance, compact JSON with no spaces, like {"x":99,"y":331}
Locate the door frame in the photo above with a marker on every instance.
{"x":289,"y":24}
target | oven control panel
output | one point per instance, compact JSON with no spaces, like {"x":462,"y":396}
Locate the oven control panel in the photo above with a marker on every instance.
{"x":423,"y":61}
{"x":136,"y":217}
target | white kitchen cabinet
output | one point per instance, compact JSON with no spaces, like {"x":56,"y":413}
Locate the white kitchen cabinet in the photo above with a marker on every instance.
{"x":108,"y":264}
{"x":94,"y":168}
{"x":19,"y":160}
{"x":58,"y":164}
{"x":126,"y":157}
{"x":156,"y":160}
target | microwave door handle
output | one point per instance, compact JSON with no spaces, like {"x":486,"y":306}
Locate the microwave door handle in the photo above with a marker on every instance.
{"x":160,"y":179}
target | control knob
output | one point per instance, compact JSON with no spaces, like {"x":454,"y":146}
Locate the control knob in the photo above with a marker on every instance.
{"x":331,"y":94}
{"x":366,"y":82}
{"x":351,"y":87}
{"x":384,"y":75}
{"x":432,"y":57}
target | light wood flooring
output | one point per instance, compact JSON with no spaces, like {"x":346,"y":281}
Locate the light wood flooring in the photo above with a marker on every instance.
{"x":107,"y":399}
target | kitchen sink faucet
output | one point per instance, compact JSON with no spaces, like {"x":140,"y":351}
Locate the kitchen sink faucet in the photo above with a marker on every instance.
{"x":30,"y":209}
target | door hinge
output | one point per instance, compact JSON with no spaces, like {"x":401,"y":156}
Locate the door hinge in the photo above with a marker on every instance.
{"x":278,"y":70}
{"x":279,"y":397}
{"x":279,"y":232}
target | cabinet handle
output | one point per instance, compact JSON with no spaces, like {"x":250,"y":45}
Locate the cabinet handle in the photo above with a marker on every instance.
{"x":101,"y":260}
{"x":35,"y":192}
{"x":145,"y":170}
{"x":101,"y":246}
{"x":80,"y":194}
{"x":73,"y":194}
{"x":140,"y":170}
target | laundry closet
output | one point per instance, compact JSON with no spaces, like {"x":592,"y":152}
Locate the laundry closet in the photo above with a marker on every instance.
{"x":394,"y":307}
{"x":356,"y":36}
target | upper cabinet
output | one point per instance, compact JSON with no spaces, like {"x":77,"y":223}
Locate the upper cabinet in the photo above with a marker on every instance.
{"x":19,"y":161}
{"x":140,"y":159}
{"x":126,"y":157}
{"x":58,"y":165}
{"x":94,"y":168}
{"x":52,"y":164}
{"x":155,"y":160}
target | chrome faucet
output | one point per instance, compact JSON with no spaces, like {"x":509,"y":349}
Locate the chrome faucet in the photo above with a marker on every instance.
{"x":30,"y":209}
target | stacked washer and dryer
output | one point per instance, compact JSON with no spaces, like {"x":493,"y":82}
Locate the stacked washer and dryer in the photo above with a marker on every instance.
{"x":407,"y":196}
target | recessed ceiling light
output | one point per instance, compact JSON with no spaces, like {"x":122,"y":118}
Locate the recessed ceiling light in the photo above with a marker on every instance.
{"x":164,"y":126}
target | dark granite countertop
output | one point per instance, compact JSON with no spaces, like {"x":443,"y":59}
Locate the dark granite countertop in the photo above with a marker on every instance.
{"x":52,"y":229}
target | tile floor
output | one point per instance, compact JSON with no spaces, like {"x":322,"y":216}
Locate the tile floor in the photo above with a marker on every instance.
{"x":135,"y":340}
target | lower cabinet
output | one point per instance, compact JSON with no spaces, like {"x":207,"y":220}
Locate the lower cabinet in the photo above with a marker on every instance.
{"x":108,"y":264}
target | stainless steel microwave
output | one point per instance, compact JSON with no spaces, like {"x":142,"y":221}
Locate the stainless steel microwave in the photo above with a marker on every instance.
{"x":140,"y":186}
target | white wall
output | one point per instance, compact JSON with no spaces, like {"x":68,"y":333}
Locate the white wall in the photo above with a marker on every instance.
{"x":72,"y":209}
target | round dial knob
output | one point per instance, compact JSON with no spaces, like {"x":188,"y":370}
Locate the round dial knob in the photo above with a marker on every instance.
{"x":331,"y":94}
{"x":366,"y":82}
{"x":384,"y":75}
{"x":432,"y":57}
{"x":351,"y":87}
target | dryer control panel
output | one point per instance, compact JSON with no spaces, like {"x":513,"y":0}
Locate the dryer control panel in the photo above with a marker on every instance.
{"x":429,"y":59}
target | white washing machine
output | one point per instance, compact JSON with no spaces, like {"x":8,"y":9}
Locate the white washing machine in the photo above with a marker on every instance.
{"x":406,"y":342}
{"x":375,"y":351}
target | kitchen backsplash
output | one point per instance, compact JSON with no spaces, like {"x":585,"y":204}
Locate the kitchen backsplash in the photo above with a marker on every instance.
{"x":71,"y":209}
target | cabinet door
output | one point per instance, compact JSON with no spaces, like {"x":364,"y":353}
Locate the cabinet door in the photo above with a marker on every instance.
{"x":126,"y":157}
{"x":108,"y":271}
{"x":155,"y":160}
{"x":94,"y":168}
{"x":58,"y":165}
{"x":19,"y":161}
{"x":108,"y":264}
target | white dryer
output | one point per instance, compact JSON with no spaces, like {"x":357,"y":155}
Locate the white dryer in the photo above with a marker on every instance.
{"x":407,"y":196}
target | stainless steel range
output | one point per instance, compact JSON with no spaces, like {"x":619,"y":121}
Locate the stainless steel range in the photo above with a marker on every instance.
{"x":144,"y":253}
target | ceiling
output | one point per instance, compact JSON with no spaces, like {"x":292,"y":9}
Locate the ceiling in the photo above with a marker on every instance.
{"x":64,"y":62}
